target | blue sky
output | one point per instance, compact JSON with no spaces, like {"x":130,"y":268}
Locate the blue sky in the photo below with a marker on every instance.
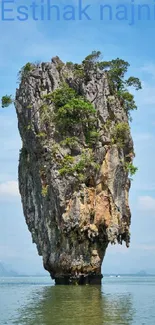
{"x":31,"y":40}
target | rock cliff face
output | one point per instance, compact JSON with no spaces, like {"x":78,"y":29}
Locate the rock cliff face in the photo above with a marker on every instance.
{"x":73,"y":215}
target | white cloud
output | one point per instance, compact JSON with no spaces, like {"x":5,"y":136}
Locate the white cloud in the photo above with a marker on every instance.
{"x":6,"y":251}
{"x":149,"y":69}
{"x":144,"y":186}
{"x":146,"y":96}
{"x":147,"y":75}
{"x":9,"y":190}
{"x":143,"y":137}
{"x":146,"y":204}
{"x":121,"y":249}
{"x":145,"y":247}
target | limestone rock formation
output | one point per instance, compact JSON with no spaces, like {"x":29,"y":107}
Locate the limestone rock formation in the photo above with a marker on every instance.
{"x":74,"y":191}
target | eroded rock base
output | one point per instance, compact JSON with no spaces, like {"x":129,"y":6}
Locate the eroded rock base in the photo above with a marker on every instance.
{"x":91,"y":279}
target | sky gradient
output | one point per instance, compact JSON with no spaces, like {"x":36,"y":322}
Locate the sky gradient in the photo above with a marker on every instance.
{"x":23,"y":41}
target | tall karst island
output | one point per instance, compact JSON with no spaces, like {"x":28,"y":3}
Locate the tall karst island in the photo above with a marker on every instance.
{"x":76,"y":161}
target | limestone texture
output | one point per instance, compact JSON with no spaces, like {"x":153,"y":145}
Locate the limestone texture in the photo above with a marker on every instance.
{"x":72,"y":219}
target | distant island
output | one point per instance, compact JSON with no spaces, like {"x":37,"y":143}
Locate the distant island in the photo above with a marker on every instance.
{"x":142,"y":273}
{"x":5,"y":272}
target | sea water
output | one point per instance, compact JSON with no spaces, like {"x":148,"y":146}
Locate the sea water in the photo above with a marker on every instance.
{"x":36,"y":301}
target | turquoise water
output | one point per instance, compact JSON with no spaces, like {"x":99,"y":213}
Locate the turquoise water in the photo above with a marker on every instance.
{"x":35,"y":301}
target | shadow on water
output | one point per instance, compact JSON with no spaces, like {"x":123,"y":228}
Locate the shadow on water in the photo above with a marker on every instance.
{"x":63,"y":305}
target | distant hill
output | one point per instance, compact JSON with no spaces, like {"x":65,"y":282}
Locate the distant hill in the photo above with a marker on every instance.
{"x":5,"y":272}
{"x":142,"y":273}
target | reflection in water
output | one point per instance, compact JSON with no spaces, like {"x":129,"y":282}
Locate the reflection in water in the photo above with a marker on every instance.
{"x":77,"y":306}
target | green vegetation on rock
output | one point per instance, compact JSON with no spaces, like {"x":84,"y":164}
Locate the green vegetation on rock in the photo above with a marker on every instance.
{"x":70,"y":142}
{"x":116,"y":70}
{"x":90,"y":63}
{"x":75,"y":118}
{"x":92,"y":136}
{"x":71,"y":114}
{"x":60,"y":66}
{"x":44,"y":191}
{"x":72,"y":110}
{"x":25,"y":70}
{"x":6,"y":101}
{"x":69,"y":65}
{"x":79,"y":169}
{"x":76,"y":111}
{"x":130,"y":168}
{"x":120,"y":134}
{"x":61,"y":96}
{"x":41,"y":135}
